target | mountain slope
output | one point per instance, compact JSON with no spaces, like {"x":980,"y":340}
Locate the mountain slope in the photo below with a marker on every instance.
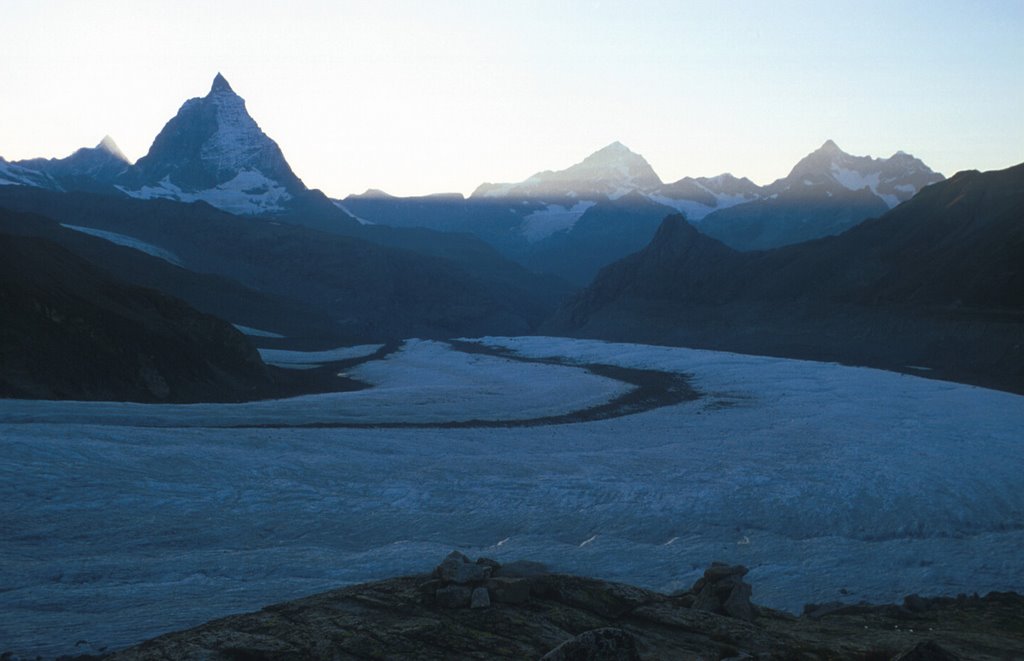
{"x":370,"y":291}
{"x":601,"y":234}
{"x":71,"y":331}
{"x":133,"y":262}
{"x":937,"y":282}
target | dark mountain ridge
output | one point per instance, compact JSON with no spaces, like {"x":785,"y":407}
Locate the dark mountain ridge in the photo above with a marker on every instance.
{"x":72,"y":331}
{"x":223,"y":297}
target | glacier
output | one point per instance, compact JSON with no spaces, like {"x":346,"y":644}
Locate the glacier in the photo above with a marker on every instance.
{"x":128,"y":242}
{"x":125,"y":521}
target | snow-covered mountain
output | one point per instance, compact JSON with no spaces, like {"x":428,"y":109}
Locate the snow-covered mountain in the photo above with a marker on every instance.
{"x":826,"y":193}
{"x":610,"y":172}
{"x":214,"y":151}
{"x":103,"y":163}
{"x":893,"y":180}
{"x":697,"y":197}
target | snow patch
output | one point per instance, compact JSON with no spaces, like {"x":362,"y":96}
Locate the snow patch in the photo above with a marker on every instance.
{"x":695,"y":211}
{"x":128,"y":242}
{"x":854,"y":180}
{"x":249,"y":192}
{"x":361,"y":221}
{"x":555,"y":218}
{"x":256,"y":332}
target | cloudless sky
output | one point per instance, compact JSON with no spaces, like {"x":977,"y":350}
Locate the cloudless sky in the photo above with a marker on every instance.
{"x":419,"y":97}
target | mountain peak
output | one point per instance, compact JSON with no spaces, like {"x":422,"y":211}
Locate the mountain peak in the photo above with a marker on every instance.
{"x":613,"y":152}
{"x":220,"y":84}
{"x":108,"y":145}
{"x":830,"y":147}
{"x":612,"y":171}
{"x":615,"y":147}
{"x":215,"y":151}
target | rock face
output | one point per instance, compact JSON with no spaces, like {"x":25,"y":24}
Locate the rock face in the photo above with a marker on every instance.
{"x":568,"y":617}
{"x":214,"y":151}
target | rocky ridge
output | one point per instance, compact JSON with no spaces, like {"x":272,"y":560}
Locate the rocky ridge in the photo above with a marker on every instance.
{"x":481,"y":609}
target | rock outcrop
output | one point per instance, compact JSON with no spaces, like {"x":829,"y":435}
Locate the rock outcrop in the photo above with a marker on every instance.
{"x":722,"y":590}
{"x":480,"y":609}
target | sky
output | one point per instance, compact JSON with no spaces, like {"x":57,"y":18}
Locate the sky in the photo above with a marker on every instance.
{"x":425,"y":97}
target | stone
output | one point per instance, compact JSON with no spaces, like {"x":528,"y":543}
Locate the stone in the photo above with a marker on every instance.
{"x":480,"y":598}
{"x":915,"y":603}
{"x":509,"y":590}
{"x":453,"y":596}
{"x":737,"y":604}
{"x":605,"y":644}
{"x":457,"y":568}
{"x":719,"y":570}
{"x":488,"y":562}
{"x":722,"y":590}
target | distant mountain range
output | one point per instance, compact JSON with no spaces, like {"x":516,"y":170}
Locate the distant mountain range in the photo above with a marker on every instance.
{"x":935,"y":284}
{"x":572,"y":222}
{"x":569,"y":222}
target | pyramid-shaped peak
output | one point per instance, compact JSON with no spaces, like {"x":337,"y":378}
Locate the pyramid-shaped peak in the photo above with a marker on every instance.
{"x":614,"y":149}
{"x":220,"y":84}
{"x":108,"y":145}
{"x":830,"y":146}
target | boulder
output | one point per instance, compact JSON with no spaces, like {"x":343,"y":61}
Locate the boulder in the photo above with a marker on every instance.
{"x":457,"y":568}
{"x":480,"y":598}
{"x":722,"y":590}
{"x":488,"y":562}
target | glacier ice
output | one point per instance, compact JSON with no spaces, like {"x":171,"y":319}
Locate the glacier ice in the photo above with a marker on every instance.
{"x":124,"y":521}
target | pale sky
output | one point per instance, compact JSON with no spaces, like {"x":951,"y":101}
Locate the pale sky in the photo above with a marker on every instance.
{"x":438,"y":96}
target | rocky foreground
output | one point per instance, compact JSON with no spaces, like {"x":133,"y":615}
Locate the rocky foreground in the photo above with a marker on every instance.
{"x":483,"y":610}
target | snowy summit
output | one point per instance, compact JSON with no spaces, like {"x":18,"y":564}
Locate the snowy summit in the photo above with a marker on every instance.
{"x":214,"y":151}
{"x":611,"y":172}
